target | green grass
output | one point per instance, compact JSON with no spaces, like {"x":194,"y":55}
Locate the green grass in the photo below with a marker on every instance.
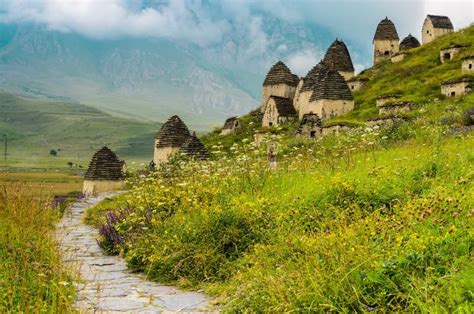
{"x":377,"y":219}
{"x":417,"y":78}
{"x":385,"y":225}
{"x":36,"y":126}
{"x":32,"y":277}
{"x":43,"y":183}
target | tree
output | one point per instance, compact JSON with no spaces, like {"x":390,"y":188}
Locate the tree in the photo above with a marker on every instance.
{"x":70,"y":164}
{"x":53,"y":152}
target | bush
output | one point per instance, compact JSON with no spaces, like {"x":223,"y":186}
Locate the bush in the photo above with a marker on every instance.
{"x":469,"y":116}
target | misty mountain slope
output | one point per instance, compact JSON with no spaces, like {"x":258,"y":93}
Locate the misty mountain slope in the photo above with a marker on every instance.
{"x":35,"y":126}
{"x":146,"y":79}
{"x":150,"y":78}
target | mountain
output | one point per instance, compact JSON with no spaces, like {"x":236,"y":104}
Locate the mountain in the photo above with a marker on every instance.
{"x":149,"y":78}
{"x":35,"y":126}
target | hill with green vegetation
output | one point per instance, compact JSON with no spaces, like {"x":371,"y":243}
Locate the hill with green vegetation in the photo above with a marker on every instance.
{"x":417,"y":78}
{"x":37,"y":127}
{"x":375,"y":219}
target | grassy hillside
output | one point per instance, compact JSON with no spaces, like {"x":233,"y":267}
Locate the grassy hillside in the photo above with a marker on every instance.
{"x":34,"y":127}
{"x":353,"y":223}
{"x":377,"y":219}
{"x":417,"y":79}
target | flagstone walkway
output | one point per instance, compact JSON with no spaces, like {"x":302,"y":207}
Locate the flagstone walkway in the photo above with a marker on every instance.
{"x":106,"y":285}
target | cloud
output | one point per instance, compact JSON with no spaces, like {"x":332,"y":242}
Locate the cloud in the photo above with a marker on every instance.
{"x":461,"y":12}
{"x":115,"y":18}
{"x":302,"y":61}
{"x":241,"y":24}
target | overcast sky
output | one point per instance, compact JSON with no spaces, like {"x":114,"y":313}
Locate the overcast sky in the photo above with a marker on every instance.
{"x":207,"y":22}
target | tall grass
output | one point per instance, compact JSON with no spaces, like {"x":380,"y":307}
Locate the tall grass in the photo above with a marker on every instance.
{"x":32,"y":277}
{"x":359,"y":222}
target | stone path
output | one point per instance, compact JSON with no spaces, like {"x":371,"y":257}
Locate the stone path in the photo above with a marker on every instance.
{"x":107,"y":286}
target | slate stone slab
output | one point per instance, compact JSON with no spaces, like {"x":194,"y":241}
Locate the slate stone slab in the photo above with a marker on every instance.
{"x":105,"y":285}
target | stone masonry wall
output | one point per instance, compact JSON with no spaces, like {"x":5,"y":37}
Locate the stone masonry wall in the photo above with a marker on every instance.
{"x":334,"y":130}
{"x":355,"y":85}
{"x":398,"y":57}
{"x":468,"y":66}
{"x":303,"y":100}
{"x":384,"y":49}
{"x":281,"y":90}
{"x":448,"y":54}
{"x":429,"y":33}
{"x":326,"y":108}
{"x":455,"y":89}
{"x":382,"y":101}
{"x":346,"y":75}
{"x":95,"y":187}
{"x":296,"y":99}
{"x":162,"y":154}
{"x":395,"y":109}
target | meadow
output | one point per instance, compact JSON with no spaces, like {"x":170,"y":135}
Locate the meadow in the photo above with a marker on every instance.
{"x":359,"y":222}
{"x":32,"y":277}
{"x":377,"y":219}
{"x":48,"y":133}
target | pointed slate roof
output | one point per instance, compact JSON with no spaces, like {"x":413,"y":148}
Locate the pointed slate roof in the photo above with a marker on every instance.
{"x":104,"y":165}
{"x":280,"y":74}
{"x":332,"y":86}
{"x":173,"y":133}
{"x":338,"y":58}
{"x":440,"y":21}
{"x":465,"y":79}
{"x":231,"y":122}
{"x":409,"y":42}
{"x":311,"y":119}
{"x":284,"y":106}
{"x":313,"y":77}
{"x":386,"y":30}
{"x":194,"y":148}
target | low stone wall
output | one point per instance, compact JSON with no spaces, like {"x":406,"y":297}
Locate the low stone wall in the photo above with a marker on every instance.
{"x":309,"y":131}
{"x":95,"y":187}
{"x":384,"y":99}
{"x":449,"y":53}
{"x":356,"y":84}
{"x":383,"y":121}
{"x":468,"y":65}
{"x":162,"y":154}
{"x":399,"y":57}
{"x":327,"y":108}
{"x":334,"y":129}
{"x":454,"y":89}
{"x":395,"y":108}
